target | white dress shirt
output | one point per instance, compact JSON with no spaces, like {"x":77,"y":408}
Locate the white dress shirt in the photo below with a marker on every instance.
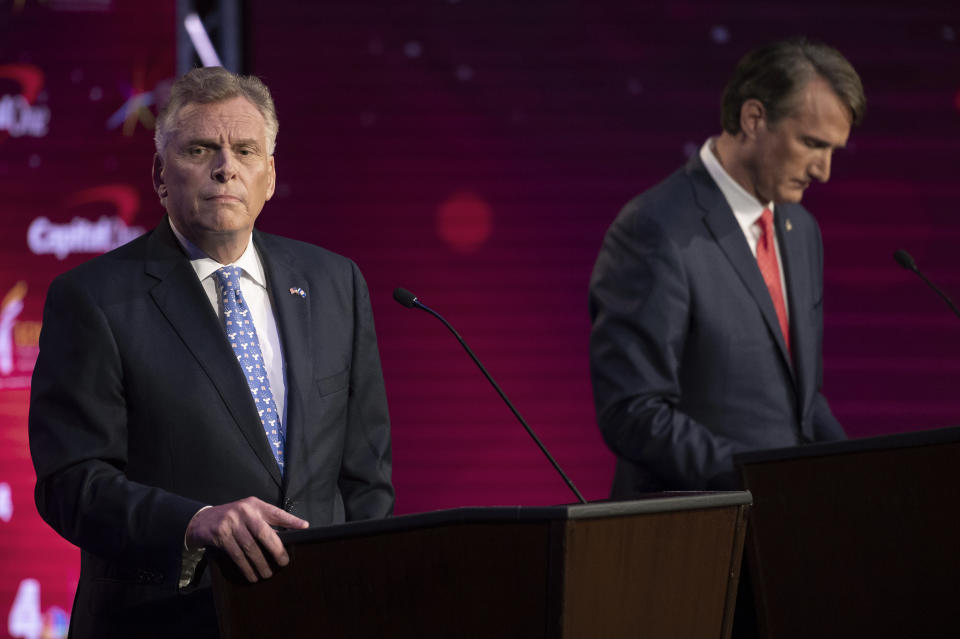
{"x":746,"y":208}
{"x":253,"y":286}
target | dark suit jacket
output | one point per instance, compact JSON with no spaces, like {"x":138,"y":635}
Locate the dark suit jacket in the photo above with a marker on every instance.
{"x":140,"y":415}
{"x":688,"y":363}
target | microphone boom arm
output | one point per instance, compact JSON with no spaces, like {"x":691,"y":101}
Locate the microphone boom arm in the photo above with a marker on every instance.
{"x":411,"y":302}
{"x":906,"y":261}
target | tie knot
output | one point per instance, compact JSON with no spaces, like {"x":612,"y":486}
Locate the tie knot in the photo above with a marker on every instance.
{"x":229,"y":277}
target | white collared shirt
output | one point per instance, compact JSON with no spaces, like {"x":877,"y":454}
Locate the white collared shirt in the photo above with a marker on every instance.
{"x":253,"y":286}
{"x":746,"y":208}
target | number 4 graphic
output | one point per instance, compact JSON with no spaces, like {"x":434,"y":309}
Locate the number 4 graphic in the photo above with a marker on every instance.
{"x":26,"y":620}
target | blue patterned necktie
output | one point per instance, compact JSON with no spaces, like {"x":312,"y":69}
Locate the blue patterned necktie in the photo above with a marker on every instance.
{"x":238,"y":323}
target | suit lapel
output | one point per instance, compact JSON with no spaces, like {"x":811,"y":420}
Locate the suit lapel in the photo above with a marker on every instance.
{"x":722,"y":223}
{"x":184,"y":304}
{"x":290,"y":296}
{"x":794,"y":255}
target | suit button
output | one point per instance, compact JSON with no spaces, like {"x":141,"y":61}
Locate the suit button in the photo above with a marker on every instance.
{"x":148,"y":577}
{"x":287,"y":504}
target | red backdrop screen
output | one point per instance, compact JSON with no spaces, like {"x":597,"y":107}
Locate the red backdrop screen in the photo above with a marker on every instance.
{"x":475,"y":153}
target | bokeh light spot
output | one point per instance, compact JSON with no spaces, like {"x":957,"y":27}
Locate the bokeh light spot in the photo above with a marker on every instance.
{"x":464,"y":222}
{"x":464,"y":73}
{"x":720,"y":34}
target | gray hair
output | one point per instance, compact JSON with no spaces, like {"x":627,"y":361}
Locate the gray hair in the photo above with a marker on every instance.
{"x":774,"y":73}
{"x":215,"y":84}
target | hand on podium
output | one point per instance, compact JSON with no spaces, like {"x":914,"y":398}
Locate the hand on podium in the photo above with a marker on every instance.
{"x":242,"y":529}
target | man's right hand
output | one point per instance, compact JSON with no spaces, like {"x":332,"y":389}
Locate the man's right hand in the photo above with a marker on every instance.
{"x":242,"y":529}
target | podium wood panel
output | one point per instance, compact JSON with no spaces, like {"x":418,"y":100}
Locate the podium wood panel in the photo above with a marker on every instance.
{"x":656,"y":568}
{"x":423,"y":578}
{"x":858,"y":538}
{"x":652,"y":577}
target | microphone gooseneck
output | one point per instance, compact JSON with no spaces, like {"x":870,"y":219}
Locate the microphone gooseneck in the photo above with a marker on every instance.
{"x":903,"y":259}
{"x":408,"y":299}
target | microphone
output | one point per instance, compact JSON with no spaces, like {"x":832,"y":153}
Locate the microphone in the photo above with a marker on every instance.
{"x":903,"y":259}
{"x":405,"y":297}
{"x":408,"y":299}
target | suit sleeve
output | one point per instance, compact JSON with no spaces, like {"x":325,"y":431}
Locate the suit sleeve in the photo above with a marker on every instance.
{"x":640,"y":307}
{"x":78,"y":441}
{"x":825,"y":426}
{"x":364,"y":482}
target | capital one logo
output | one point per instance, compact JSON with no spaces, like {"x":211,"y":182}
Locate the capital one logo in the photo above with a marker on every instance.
{"x":19,"y":115}
{"x":81,"y":235}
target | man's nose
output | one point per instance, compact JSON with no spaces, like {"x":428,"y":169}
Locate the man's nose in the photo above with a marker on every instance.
{"x":224,"y":167}
{"x":820,"y":169}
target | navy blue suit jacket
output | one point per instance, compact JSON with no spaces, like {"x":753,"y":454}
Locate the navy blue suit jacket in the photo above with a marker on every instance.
{"x":140,"y":415}
{"x":688,"y":363}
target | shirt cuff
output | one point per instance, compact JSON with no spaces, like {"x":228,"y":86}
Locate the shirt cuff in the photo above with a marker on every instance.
{"x":188,"y":566}
{"x":190,"y":559}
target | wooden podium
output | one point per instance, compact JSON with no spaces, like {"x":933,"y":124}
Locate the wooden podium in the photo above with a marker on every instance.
{"x":858,"y":538}
{"x":660,"y":567}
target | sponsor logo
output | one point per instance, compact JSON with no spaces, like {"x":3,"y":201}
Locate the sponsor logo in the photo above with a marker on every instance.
{"x":19,"y":115}
{"x":139,"y":98}
{"x":81,"y":235}
{"x":135,"y":109}
{"x":114,"y":207}
{"x":26,"y":618}
{"x":19,"y":340}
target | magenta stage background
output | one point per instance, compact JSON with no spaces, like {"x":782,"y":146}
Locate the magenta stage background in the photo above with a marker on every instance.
{"x":475,"y":153}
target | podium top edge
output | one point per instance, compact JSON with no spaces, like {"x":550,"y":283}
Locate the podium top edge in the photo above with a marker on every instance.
{"x":655,"y":503}
{"x":846,"y":446}
{"x":665,"y":502}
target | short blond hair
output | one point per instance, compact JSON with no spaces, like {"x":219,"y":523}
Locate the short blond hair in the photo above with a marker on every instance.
{"x":208,"y":85}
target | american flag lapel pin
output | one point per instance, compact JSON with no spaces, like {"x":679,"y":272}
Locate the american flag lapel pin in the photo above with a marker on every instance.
{"x":296,"y":290}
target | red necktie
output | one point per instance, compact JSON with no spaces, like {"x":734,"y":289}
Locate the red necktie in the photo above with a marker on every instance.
{"x":767,"y":260}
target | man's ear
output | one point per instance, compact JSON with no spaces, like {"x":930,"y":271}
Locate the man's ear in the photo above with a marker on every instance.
{"x":158,"y":184}
{"x":753,"y":117}
{"x":271,"y":178}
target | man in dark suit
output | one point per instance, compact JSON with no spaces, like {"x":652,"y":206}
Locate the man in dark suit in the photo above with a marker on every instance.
{"x":179,"y":405}
{"x":706,"y":298}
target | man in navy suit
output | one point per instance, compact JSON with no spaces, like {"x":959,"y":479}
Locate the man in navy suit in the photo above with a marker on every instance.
{"x":153,"y":435}
{"x":707,"y":295}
